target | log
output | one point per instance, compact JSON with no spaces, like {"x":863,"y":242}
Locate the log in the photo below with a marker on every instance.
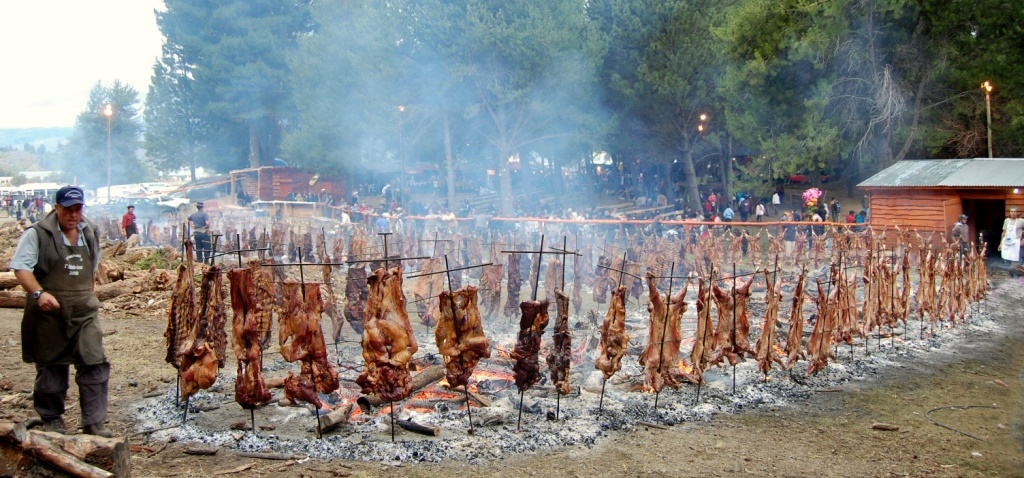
{"x":337,"y":417}
{"x":417,"y":428}
{"x":77,"y":455}
{"x":423,"y":379}
{"x":482,"y":400}
{"x":158,"y":279}
{"x":12,"y":299}
{"x":269,"y":456}
{"x":8,"y":281}
{"x":48,"y":452}
{"x":201,"y":450}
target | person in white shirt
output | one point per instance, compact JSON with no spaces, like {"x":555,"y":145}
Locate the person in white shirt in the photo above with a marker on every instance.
{"x":1009,"y":243}
{"x":759,"y":211}
{"x":776,"y":202}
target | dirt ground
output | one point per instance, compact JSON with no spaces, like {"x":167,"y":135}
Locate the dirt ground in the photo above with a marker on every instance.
{"x":830,"y":434}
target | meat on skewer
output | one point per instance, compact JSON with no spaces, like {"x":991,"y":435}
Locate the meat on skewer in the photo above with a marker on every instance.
{"x":183,"y":316}
{"x":819,"y":345}
{"x":513,"y":285}
{"x":250,"y":389}
{"x":794,"y":341}
{"x":199,"y":356}
{"x":356,"y":293}
{"x":301,"y":338}
{"x":766,"y":343}
{"x":704,"y":337}
{"x":664,"y":337}
{"x":490,"y":289}
{"x":614,"y":339}
{"x":527,"y":350}
{"x":733,"y":325}
{"x":460,"y":337}
{"x":560,"y":356}
{"x":388,"y":341}
{"x":266,"y":298}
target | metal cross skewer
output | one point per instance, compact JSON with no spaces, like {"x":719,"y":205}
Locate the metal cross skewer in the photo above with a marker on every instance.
{"x":700,"y":360}
{"x":664,"y":330}
{"x":536,"y":283}
{"x":565,"y":250}
{"x":604,"y":381}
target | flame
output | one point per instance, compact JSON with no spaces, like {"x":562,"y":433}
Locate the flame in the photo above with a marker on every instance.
{"x":686,"y":368}
{"x":503,"y":350}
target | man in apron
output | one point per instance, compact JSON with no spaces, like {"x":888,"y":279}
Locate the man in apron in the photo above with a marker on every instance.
{"x":55,"y":262}
{"x":1009,"y":243}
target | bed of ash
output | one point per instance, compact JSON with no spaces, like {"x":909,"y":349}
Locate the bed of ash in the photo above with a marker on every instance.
{"x":214,"y":417}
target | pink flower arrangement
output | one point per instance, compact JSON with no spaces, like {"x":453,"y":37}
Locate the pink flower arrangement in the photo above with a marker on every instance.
{"x":810,"y":198}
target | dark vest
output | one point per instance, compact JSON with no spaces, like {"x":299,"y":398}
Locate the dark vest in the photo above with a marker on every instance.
{"x":51,"y":243}
{"x":71,"y":334}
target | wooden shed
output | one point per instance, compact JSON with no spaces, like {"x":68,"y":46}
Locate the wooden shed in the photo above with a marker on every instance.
{"x":930,"y":195}
{"x":274,"y":183}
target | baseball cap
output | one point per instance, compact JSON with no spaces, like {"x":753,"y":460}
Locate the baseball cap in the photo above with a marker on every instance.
{"x":963,"y":216}
{"x":70,"y":195}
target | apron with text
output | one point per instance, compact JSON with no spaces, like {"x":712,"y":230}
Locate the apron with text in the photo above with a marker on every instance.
{"x":71,"y":335}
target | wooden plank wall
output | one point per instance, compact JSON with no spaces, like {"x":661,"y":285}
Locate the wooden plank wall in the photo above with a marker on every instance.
{"x":921,"y":209}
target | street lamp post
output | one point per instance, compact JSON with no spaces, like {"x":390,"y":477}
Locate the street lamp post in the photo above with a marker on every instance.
{"x":108,"y":111}
{"x":401,"y":154}
{"x":987,"y":86}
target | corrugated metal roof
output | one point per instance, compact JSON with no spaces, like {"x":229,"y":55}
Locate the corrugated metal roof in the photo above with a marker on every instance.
{"x":999,"y":172}
{"x":962,"y":173}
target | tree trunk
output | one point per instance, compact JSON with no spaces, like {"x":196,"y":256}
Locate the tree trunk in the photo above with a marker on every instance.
{"x":692,"y":194}
{"x":254,"y":144}
{"x":449,"y":163}
{"x":505,"y":183}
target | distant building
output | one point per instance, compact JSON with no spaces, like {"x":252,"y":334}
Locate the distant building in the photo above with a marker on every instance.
{"x":929,"y":195}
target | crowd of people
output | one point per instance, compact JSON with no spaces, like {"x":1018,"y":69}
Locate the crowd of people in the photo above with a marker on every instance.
{"x":32,"y":209}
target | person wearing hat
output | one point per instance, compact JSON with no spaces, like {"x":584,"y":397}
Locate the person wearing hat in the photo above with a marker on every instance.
{"x":1009,"y":243}
{"x":961,"y":234}
{"x":128,"y":227}
{"x":56,"y":262}
{"x":200,"y":222}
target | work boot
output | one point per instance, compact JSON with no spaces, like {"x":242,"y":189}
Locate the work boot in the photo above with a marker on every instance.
{"x":98,"y":430}
{"x":55,"y":425}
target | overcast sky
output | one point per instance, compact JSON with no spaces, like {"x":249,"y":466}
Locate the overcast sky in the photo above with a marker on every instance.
{"x":54,"y":51}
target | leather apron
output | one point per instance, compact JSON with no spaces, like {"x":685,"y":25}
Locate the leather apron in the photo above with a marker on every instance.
{"x":71,"y":335}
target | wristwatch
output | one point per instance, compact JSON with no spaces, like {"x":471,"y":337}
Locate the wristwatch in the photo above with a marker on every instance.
{"x":36,"y":294}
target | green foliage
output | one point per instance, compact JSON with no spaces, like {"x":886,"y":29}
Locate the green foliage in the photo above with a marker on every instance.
{"x":223,"y":85}
{"x":85,"y":155}
{"x":158,"y":259}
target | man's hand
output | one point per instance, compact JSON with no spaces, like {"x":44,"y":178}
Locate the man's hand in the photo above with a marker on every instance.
{"x":48,"y":302}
